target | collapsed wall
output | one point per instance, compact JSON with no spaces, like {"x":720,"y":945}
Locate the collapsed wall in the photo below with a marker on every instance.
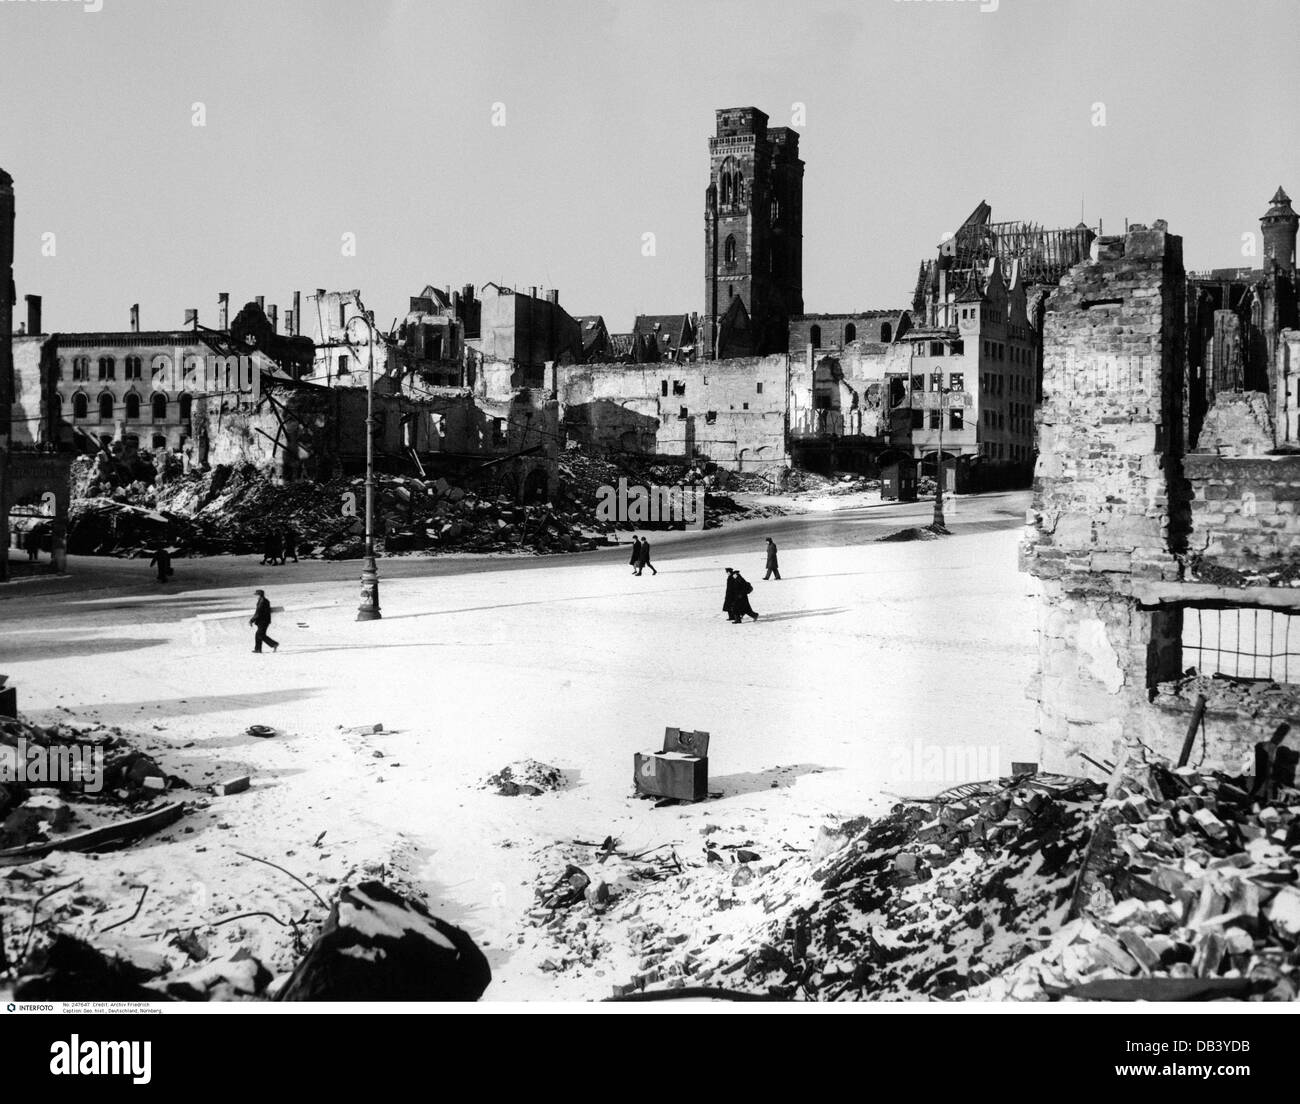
{"x":1108,"y":504}
{"x":1166,"y":574}
{"x":732,"y":412}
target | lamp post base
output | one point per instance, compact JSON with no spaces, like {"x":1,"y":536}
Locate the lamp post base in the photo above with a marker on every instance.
{"x":368,"y":610}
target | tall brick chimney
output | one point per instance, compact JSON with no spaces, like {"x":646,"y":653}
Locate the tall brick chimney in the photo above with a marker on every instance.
{"x":296,"y":327}
{"x":273,"y":315}
{"x":223,"y":310}
{"x":33,"y":314}
{"x":135,"y":317}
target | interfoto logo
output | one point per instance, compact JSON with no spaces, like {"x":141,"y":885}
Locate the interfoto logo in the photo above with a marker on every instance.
{"x":36,"y":764}
{"x":647,"y":505}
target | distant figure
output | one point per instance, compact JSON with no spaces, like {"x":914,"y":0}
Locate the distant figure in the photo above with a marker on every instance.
{"x":163,"y":559}
{"x":290,"y":546}
{"x":271,"y":548}
{"x":740,"y":606}
{"x":772,"y":568}
{"x":262,"y":619}
{"x":635,"y":561}
{"x":645,"y":558}
{"x":32,"y":542}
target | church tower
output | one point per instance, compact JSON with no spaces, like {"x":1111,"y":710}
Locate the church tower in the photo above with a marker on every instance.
{"x":1279,"y":225}
{"x":753,"y":235}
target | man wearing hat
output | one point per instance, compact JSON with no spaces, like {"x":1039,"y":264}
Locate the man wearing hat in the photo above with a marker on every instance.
{"x":262,"y":619}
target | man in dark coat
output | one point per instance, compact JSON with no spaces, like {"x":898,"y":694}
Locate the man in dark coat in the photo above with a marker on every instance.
{"x":262,"y":619}
{"x":163,"y":559}
{"x":289,"y":548}
{"x":772,"y":568}
{"x":271,"y":548}
{"x":32,"y":542}
{"x":740,"y":606}
{"x":635,"y":561}
{"x":645,"y":558}
{"x":729,"y":601}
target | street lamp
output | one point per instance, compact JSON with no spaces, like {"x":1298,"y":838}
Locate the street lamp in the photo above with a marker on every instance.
{"x":368,"y":610}
{"x":938,"y":460}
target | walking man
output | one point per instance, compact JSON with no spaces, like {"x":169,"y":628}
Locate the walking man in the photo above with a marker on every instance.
{"x":740,"y":606}
{"x":163,"y":559}
{"x":729,"y":601}
{"x":262,"y":619}
{"x":32,"y":542}
{"x":635,"y":561}
{"x":290,"y":546}
{"x":645,"y":558}
{"x":772,"y":568}
{"x":271,"y":548}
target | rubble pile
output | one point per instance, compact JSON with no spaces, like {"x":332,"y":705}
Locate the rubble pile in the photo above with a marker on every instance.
{"x":1190,"y":893}
{"x":125,"y":508}
{"x":525,"y":777}
{"x":1202,"y":570}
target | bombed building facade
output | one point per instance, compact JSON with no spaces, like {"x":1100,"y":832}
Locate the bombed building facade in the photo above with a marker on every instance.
{"x":1167,"y":542}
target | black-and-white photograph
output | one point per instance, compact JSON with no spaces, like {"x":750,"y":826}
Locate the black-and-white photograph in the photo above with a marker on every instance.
{"x":580,"y":505}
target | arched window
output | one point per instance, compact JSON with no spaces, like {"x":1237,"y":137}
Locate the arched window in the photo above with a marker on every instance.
{"x":80,"y":405}
{"x":886,"y":332}
{"x":159,"y":404}
{"x":815,"y":337}
{"x":187,"y":402}
{"x":132,"y":407}
{"x":850,"y":333}
{"x":729,"y":250}
{"x":106,"y":407}
{"x":107,"y":368}
{"x":134,"y":367}
{"x":81,"y":368}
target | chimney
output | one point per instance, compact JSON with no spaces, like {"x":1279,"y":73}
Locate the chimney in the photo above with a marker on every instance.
{"x":290,"y":317}
{"x":297,"y":314}
{"x":553,"y":296}
{"x":273,"y":313}
{"x":223,"y":311}
{"x":192,"y":317}
{"x":261,"y":303}
{"x":33,"y":314}
{"x":532,"y":293}
{"x":135,"y":317}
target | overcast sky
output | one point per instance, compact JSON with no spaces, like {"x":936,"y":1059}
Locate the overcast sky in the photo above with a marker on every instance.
{"x":326,"y":118}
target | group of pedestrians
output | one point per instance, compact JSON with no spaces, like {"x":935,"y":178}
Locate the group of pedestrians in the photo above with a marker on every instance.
{"x":279,"y":546}
{"x":641,"y":556}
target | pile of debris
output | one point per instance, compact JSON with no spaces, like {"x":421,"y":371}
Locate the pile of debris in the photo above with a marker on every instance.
{"x":1190,"y":892}
{"x":917,"y":533}
{"x":1202,"y":570}
{"x":527,"y":777}
{"x":1172,"y":884}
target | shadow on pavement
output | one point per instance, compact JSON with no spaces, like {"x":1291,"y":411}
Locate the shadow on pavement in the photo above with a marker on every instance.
{"x":774,"y":778}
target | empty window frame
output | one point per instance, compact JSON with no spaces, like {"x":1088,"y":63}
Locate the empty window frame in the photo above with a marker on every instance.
{"x":1243,"y":642}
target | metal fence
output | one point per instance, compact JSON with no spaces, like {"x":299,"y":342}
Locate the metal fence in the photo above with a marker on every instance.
{"x":1243,"y":642}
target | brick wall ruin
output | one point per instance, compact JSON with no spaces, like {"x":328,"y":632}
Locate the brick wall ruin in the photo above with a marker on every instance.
{"x":732,"y":412}
{"x":1164,"y":572}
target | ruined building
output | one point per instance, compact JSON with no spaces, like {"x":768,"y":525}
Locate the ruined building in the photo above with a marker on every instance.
{"x":1168,"y":552}
{"x":753,"y":236}
{"x":35,"y":457}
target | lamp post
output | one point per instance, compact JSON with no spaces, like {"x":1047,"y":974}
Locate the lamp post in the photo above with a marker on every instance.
{"x":368,"y":610}
{"x":938,"y":460}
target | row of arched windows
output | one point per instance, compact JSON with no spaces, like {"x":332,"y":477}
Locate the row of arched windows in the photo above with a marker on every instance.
{"x":132,"y":404}
{"x":850,"y":334}
{"x":133,"y":368}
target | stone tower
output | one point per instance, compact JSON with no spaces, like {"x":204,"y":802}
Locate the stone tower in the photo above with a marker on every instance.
{"x":753,"y":229}
{"x":1279,"y":225}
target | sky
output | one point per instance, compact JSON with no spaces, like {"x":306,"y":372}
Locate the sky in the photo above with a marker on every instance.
{"x":374,"y":118}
